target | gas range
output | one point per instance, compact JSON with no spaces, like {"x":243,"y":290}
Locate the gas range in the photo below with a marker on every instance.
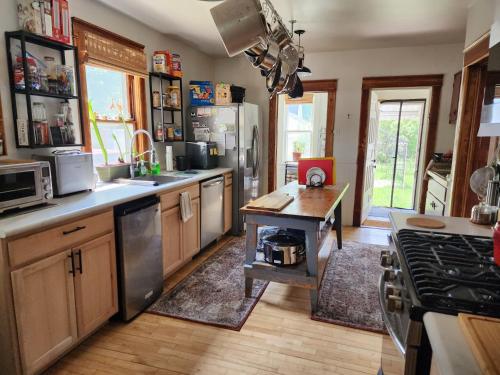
{"x":451,"y":273}
{"x":428,"y":271}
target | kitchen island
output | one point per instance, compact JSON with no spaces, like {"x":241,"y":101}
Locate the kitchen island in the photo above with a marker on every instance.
{"x":310,"y":211}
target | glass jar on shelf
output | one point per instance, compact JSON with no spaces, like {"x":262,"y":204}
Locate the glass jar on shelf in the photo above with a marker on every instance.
{"x":174,"y":93}
{"x":159,"y":131}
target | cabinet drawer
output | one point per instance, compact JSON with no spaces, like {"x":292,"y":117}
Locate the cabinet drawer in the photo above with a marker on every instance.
{"x":172,"y":199}
{"x":438,"y":190}
{"x":228,"y":179}
{"x":433,"y":206}
{"x":49,"y":241}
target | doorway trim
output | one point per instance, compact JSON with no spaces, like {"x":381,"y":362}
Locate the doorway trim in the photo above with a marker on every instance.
{"x":435,"y":82}
{"x":472,"y":152}
{"x":324,"y":85}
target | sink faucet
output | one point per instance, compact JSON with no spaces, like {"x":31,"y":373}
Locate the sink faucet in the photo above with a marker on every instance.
{"x":151,"y":150}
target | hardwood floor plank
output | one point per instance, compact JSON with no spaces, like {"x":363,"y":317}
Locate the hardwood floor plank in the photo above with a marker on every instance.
{"x":279,"y":337}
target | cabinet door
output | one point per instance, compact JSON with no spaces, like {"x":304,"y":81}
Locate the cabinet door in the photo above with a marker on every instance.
{"x":44,"y":305}
{"x":433,"y":206}
{"x":172,"y":239}
{"x":95,"y":283}
{"x":191,"y":232}
{"x":228,"y":208}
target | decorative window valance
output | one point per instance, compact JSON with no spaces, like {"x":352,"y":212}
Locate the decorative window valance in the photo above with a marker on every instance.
{"x":98,"y":46}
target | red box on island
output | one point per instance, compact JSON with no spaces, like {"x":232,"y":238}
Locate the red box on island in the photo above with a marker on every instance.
{"x":326,"y":164}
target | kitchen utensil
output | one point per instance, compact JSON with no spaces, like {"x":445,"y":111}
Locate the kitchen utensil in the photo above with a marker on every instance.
{"x":290,"y":54}
{"x":181,"y":163}
{"x":283,"y":249}
{"x":271,"y":57}
{"x":483,"y":214}
{"x":298,"y":90}
{"x":271,"y":202}
{"x":315,"y":177}
{"x":483,"y":336}
{"x":492,"y":192}
{"x":273,"y":77}
{"x":240,"y":23}
{"x":424,"y":222}
{"x":479,"y":180}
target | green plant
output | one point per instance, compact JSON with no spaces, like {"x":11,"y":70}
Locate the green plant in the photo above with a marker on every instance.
{"x":93,"y":121}
{"x":121,"y":159}
{"x":299,"y":146}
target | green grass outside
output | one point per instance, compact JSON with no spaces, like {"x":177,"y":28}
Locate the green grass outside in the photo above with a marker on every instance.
{"x":403,"y":190}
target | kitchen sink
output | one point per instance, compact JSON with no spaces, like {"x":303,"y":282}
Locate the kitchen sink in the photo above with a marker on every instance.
{"x":153,"y":180}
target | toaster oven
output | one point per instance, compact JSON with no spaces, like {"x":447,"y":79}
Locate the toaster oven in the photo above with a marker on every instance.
{"x":24,"y":184}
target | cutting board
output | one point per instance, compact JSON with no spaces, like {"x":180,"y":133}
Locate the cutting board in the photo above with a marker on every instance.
{"x":424,"y":222}
{"x":271,"y":202}
{"x":483,"y":336}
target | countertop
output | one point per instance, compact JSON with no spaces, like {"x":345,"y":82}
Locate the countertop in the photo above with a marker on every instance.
{"x":309,"y":203}
{"x":105,"y":196}
{"x":455,"y":225}
{"x":450,"y":349}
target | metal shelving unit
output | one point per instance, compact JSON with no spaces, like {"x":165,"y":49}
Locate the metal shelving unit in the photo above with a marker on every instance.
{"x":164,"y":110}
{"x":25,"y":37}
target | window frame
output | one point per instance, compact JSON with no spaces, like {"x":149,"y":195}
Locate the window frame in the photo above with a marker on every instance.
{"x":309,"y":99}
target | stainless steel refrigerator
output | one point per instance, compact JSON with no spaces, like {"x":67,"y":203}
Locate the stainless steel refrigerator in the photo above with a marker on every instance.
{"x":237,"y":130}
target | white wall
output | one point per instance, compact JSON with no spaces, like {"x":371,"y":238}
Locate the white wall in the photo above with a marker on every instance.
{"x":196,"y":65}
{"x":479,"y":20}
{"x":349,"y":67}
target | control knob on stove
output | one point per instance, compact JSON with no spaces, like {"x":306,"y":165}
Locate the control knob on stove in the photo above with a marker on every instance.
{"x":389,"y":275}
{"x":394,"y":303}
{"x":386,"y":258}
{"x":392,"y":290}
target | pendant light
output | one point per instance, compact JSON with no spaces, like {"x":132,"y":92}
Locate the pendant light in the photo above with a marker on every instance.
{"x":302,"y":71}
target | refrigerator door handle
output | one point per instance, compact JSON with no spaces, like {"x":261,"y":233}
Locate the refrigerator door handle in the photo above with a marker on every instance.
{"x":255,"y":152}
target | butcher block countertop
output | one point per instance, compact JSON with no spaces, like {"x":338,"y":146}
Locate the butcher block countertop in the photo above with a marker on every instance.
{"x":308,"y":203}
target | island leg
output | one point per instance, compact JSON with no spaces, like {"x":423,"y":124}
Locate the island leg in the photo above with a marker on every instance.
{"x":312,"y":265}
{"x":251,"y":252}
{"x":338,"y":224}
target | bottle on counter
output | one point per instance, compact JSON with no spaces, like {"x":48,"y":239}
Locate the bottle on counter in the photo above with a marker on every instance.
{"x":496,"y":244}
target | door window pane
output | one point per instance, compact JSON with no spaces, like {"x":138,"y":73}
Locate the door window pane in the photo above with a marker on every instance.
{"x":298,"y":142}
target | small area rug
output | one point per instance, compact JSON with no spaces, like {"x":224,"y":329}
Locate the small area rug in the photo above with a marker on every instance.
{"x":349,"y":290}
{"x":214,"y":293}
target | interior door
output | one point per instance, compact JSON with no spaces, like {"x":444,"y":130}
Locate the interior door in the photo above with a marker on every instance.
{"x":370,"y":162}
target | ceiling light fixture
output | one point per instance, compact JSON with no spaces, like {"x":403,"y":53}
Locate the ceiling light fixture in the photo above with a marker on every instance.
{"x":302,"y":71}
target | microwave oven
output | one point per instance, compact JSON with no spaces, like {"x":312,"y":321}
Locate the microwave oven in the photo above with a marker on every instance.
{"x":24,"y":184}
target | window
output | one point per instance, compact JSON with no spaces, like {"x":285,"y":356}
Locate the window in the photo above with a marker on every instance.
{"x":110,"y":94}
{"x":299,"y":129}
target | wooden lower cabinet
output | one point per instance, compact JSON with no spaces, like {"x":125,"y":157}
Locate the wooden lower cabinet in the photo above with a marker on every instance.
{"x":44,"y":304}
{"x":172,"y":239}
{"x":181,"y":241}
{"x":191,"y":232}
{"x":95,"y":283}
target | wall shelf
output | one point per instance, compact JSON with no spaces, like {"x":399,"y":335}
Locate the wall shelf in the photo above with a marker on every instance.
{"x":163,"y":114}
{"x":56,"y":137}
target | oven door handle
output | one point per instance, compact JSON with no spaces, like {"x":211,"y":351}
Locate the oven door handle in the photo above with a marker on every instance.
{"x":385,"y":316}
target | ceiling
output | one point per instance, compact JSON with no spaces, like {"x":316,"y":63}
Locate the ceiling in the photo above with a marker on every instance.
{"x":330,"y":24}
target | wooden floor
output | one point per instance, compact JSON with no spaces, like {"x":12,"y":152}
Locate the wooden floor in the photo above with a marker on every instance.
{"x":278,"y":338}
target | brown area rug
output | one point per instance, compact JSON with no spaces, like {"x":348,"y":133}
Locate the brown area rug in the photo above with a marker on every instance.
{"x":215,"y":292}
{"x":349,"y":290}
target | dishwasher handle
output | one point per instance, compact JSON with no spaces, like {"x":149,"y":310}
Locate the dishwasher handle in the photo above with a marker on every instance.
{"x":213,"y":182}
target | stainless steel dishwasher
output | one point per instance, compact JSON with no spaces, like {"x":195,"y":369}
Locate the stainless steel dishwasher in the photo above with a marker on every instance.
{"x":139,"y":255}
{"x":212,"y":210}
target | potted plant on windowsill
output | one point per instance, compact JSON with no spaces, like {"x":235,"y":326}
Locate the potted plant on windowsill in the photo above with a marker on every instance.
{"x":107,"y":172}
{"x":298,"y":150}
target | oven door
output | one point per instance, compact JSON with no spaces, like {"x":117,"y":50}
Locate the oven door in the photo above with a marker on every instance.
{"x":20,"y":186}
{"x":393,"y":348}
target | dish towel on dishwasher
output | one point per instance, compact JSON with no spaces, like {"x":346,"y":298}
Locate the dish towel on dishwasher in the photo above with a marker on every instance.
{"x":186,"y":208}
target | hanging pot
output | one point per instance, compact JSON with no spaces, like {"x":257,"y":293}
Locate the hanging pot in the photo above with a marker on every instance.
{"x":240,"y":23}
{"x":271,"y":57}
{"x":298,"y":89}
{"x":290,"y":54}
{"x":273,"y":77}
